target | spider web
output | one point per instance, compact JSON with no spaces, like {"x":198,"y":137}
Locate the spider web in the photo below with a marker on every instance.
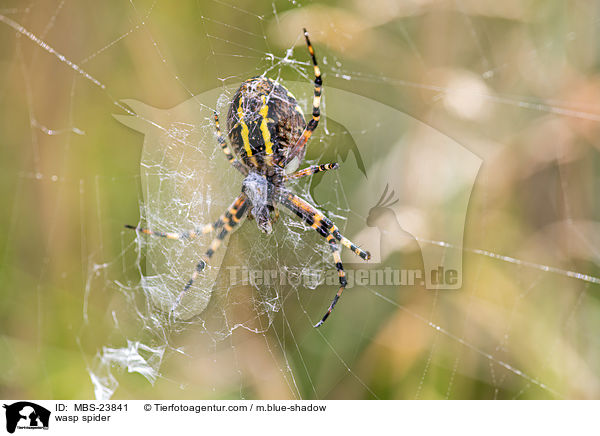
{"x":89,"y":300}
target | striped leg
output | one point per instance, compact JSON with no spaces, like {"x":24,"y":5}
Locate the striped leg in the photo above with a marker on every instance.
{"x":198,"y":231}
{"x":311,"y":170}
{"x":316,"y":111}
{"x":342,"y":275}
{"x":179,"y":236}
{"x":319,"y":222}
{"x":327,"y":229}
{"x":230,"y":157}
{"x":231,"y":219}
{"x":365,"y":255}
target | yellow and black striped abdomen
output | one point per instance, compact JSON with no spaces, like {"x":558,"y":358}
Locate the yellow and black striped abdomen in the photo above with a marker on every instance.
{"x":264,"y":123}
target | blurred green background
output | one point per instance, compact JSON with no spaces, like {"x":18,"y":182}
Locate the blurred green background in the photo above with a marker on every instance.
{"x":516,"y":82}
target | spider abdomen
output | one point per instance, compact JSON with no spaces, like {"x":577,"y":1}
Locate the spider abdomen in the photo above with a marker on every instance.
{"x":264,"y":123}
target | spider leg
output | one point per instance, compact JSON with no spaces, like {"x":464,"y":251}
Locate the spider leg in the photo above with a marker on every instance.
{"x":179,"y":236}
{"x":342,"y":275}
{"x":230,"y":157}
{"x":316,"y":113}
{"x":316,"y":110}
{"x":319,"y":222}
{"x":231,"y":218}
{"x":325,"y":227}
{"x":311,"y":170}
{"x":194,"y":233}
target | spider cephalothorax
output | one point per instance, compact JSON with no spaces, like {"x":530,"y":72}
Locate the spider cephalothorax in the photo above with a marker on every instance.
{"x":268,"y":134}
{"x":261,"y":194}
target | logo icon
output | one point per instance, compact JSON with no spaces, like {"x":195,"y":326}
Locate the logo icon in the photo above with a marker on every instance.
{"x":26,"y":415}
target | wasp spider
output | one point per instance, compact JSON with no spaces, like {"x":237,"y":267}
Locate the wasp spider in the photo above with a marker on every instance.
{"x":268,"y":134}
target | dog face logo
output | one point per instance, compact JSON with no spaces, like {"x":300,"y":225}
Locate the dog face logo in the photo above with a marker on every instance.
{"x":26,"y":415}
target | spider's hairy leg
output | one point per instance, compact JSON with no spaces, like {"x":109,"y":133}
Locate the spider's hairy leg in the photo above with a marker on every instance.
{"x":342,"y":275}
{"x":316,"y":110}
{"x":316,"y":113}
{"x":313,"y":169}
{"x":178,"y":236}
{"x":365,"y":255}
{"x":194,"y":233}
{"x":231,"y":218}
{"x":230,"y":157}
{"x":328,"y":230}
{"x":320,"y":222}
